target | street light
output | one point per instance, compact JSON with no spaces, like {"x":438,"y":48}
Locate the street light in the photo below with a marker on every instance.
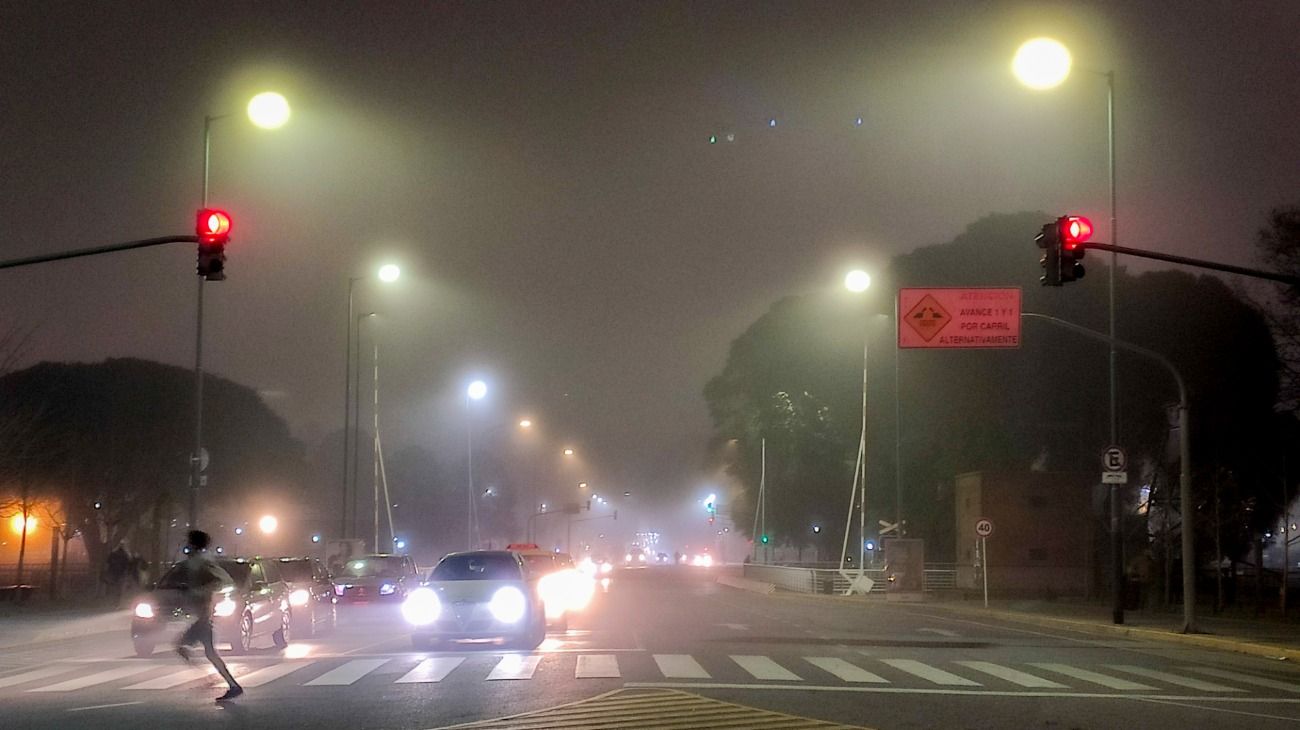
{"x":267,"y":524}
{"x":268,"y":110}
{"x":388,"y":273}
{"x":196,"y":457}
{"x":568,"y":452}
{"x":477,"y":390}
{"x":525,"y":423}
{"x":1043,"y":63}
{"x":857,"y":281}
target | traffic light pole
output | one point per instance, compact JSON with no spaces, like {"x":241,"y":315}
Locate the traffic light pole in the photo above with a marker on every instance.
{"x":1184,"y":459}
{"x":1199,"y":263}
{"x":95,"y":251}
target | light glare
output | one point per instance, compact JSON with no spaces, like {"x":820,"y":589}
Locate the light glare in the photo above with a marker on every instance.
{"x":1041,"y":63}
{"x":476,"y":390}
{"x":268,"y":524}
{"x":857,"y":281}
{"x":268,"y":110}
{"x":388,"y":273}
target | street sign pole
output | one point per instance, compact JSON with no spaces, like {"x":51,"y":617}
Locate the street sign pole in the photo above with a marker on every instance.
{"x":984,"y":567}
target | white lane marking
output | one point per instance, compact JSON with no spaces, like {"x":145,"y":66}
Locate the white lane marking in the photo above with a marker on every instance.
{"x":431,"y":670}
{"x":940,"y":632}
{"x":929,"y":673}
{"x":102,"y":707}
{"x":680,"y":666}
{"x":175,"y":678}
{"x":270,"y":674}
{"x":1202,"y":707}
{"x":108,"y":675}
{"x":1246,"y":678}
{"x":736,"y":627}
{"x":761,"y":667}
{"x":1188,"y":682}
{"x":348,"y":673}
{"x":596,"y":666}
{"x":844,"y":670}
{"x":1094,"y":677}
{"x":32,"y":676}
{"x":1210,"y":699}
{"x":1013,"y":676}
{"x":515,"y":666}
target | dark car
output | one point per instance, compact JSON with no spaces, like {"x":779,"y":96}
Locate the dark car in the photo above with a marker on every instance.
{"x":378,"y":577}
{"x":311,"y":595}
{"x":256,"y":606}
{"x":484,"y":595}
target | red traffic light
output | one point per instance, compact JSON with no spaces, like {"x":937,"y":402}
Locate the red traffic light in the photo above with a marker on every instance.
{"x":1074,"y":230}
{"x":213,"y":226}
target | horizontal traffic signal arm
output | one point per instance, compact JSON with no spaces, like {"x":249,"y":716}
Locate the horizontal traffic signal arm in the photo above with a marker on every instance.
{"x":1188,"y":261}
{"x":110,"y":248}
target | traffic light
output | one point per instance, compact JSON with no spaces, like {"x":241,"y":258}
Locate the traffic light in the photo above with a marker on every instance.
{"x":763,"y":539}
{"x":213,"y":229}
{"x":1062,"y":243}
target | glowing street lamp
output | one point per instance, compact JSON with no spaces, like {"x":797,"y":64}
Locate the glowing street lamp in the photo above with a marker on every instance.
{"x":857,"y":281}
{"x":17,"y":523}
{"x":268,"y":524}
{"x":525,"y":423}
{"x":1041,"y":63}
{"x":568,"y":452}
{"x":389,"y":273}
{"x":268,"y":110}
{"x":476,"y":390}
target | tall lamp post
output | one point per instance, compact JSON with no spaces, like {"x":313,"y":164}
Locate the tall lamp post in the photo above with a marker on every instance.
{"x":387,"y":274}
{"x":858,"y":281}
{"x":1042,"y":64}
{"x":267,"y":110}
{"x":476,"y":391}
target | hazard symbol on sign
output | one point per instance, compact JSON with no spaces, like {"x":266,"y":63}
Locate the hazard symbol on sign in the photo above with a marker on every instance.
{"x":927,"y":318}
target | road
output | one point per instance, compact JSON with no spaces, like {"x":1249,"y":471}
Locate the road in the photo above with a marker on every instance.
{"x":667,"y":646}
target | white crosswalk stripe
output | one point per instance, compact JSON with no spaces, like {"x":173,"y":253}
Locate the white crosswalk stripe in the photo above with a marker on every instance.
{"x":515,"y":666}
{"x":1246,"y":679}
{"x":762,"y":667}
{"x":175,"y":679}
{"x":929,"y":673}
{"x":596,"y":666}
{"x":1174,"y":679}
{"x":1094,"y":677}
{"x":1014,"y":676}
{"x":844,"y":670}
{"x":32,"y":676}
{"x":270,"y":674}
{"x":108,"y":675}
{"x":680,"y":666}
{"x":348,"y":673}
{"x":431,"y":670}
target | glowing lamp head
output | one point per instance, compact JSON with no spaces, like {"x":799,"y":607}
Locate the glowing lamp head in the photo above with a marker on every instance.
{"x":857,"y":281}
{"x":388,"y":273}
{"x":476,"y":390}
{"x":268,"y":524}
{"x":268,"y":110}
{"x":1041,"y":63}
{"x":17,"y":523}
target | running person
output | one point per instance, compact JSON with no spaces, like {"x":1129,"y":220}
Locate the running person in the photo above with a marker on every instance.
{"x":202,"y":574}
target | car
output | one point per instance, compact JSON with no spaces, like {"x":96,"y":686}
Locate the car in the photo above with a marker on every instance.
{"x":564,"y":589}
{"x":376,"y":577}
{"x":312,"y":596}
{"x":477,"y":596}
{"x":257,"y":606}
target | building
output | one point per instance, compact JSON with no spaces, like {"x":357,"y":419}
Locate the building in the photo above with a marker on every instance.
{"x":1043,"y":532}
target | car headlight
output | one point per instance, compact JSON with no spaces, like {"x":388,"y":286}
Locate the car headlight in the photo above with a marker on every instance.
{"x":299,"y":597}
{"x":508,"y":605}
{"x":340,"y":589}
{"x":143,"y":610}
{"x":422,"y":607}
{"x":387,"y":589}
{"x":606,"y":567}
{"x":225,"y":607}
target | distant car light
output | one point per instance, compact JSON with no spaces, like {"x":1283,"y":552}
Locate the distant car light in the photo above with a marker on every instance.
{"x":340,"y":589}
{"x":299,"y":597}
{"x":421,"y":607}
{"x":225,"y":607}
{"x":508,"y":605}
{"x":565,"y":591}
{"x":143,"y":610}
{"x":627,"y":558}
{"x":387,"y":589}
{"x":703,"y":561}
{"x":640,"y":558}
{"x":606,"y":567}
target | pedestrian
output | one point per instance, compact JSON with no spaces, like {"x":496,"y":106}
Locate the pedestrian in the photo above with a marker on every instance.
{"x":117,"y":563}
{"x":202,"y":577}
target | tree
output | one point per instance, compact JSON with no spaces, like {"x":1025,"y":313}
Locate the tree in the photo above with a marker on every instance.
{"x":121,"y":431}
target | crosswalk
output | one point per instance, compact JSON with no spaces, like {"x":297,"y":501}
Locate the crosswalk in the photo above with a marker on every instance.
{"x":313,"y":674}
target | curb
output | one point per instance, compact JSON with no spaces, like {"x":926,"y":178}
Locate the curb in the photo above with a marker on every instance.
{"x":746,"y":584}
{"x":111,"y":623}
{"x":1203,"y":641}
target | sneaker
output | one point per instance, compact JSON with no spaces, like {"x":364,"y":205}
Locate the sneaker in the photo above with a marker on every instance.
{"x":231,"y":694}
{"x":184,"y":653}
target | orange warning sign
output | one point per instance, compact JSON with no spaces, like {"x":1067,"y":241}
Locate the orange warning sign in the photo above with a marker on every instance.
{"x":959,"y":318}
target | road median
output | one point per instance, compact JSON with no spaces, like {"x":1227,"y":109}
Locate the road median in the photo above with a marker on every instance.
{"x":756,"y":586}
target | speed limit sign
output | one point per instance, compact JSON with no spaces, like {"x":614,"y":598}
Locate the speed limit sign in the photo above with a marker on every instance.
{"x":984,"y":528}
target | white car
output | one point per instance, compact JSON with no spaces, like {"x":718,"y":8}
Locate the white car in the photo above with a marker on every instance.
{"x":479,"y":596}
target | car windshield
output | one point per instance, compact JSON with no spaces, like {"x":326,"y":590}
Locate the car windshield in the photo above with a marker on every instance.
{"x":477,"y":566}
{"x":296,"y":570}
{"x":177,"y":576}
{"x":375,"y":567}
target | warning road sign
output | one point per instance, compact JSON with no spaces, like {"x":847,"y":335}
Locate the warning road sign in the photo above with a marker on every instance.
{"x":959,"y":318}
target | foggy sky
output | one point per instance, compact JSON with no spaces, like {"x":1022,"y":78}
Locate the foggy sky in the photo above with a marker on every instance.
{"x":542,"y":173}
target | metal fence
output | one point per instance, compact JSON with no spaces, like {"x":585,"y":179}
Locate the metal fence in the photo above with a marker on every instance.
{"x":801,"y":579}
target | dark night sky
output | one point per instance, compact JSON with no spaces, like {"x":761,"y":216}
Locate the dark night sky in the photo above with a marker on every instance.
{"x":542,"y":173}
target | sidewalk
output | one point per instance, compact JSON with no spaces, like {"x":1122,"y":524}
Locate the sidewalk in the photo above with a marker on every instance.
{"x":1271,"y":638}
{"x":26,"y":627}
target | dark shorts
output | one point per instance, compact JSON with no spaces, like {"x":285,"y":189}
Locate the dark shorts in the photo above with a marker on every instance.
{"x":200,"y":632}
